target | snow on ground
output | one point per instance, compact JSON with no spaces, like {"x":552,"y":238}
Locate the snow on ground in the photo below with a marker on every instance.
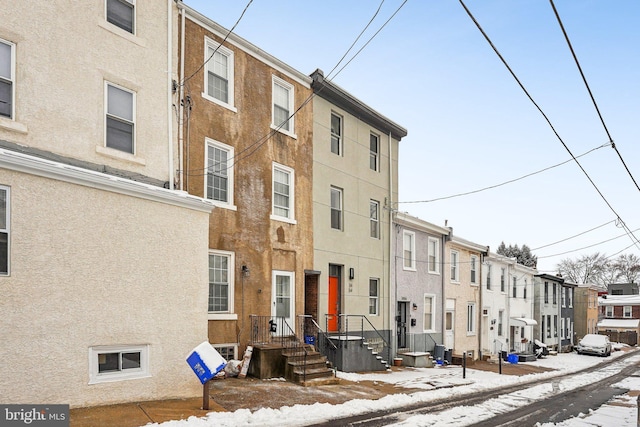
{"x":437,"y":383}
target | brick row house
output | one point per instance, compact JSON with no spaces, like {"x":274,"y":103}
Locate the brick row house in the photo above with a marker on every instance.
{"x":619,"y":317}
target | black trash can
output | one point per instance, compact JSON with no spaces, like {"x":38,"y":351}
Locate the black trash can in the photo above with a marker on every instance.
{"x":438,"y":352}
{"x":448,"y":356}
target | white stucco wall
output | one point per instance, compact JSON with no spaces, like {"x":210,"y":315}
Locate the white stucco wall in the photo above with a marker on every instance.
{"x":91,"y":267}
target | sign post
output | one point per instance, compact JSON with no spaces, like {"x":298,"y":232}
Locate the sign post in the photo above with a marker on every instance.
{"x":206,"y":362}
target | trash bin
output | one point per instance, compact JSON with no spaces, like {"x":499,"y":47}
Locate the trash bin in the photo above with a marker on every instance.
{"x":438,"y":352}
{"x":448,"y":356}
{"x":512,"y":358}
{"x":503,"y":356}
{"x":309,"y":339}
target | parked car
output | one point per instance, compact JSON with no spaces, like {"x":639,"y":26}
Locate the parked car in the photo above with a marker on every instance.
{"x":594,"y":344}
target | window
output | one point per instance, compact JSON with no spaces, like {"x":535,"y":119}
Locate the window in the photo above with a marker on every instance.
{"x":434,"y":255}
{"x":626,"y":311}
{"x":608,"y":311}
{"x":429,"y":312}
{"x":122,"y":14}
{"x":409,"y":250}
{"x":7,"y":86}
{"x":221,"y":282}
{"x":524,"y":291}
{"x":555,"y":325}
{"x":374,"y":151}
{"x":336,"y":208}
{"x":471,"y":318}
{"x":374,"y":219}
{"x":502,"y":284}
{"x":555,"y":298}
{"x":4,"y":230}
{"x":336,"y":134}
{"x":489,"y":277}
{"x":219,"y":74}
{"x":562,"y":332}
{"x":282,"y":106}
{"x":474,"y":263}
{"x":514,"y":287}
{"x":219,"y":178}
{"x":546,"y":292}
{"x":283,"y":193}
{"x":500,"y":322}
{"x":454,"y":266}
{"x":120,"y":118}
{"x":570,"y":297}
{"x":563,"y":299}
{"x":374,"y":290}
{"x":115,"y":363}
{"x":548,"y":326}
{"x":227,"y":351}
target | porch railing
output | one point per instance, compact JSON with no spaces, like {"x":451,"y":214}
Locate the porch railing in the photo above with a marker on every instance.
{"x":359,"y":324}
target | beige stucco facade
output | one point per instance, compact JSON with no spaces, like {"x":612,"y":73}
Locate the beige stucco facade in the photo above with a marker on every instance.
{"x":261,"y":243}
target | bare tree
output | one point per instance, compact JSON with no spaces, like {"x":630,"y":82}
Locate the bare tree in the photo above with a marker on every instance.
{"x":627,"y":268}
{"x":586,"y":269}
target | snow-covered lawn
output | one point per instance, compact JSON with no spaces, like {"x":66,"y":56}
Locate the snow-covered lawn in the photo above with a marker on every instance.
{"x":438,"y":383}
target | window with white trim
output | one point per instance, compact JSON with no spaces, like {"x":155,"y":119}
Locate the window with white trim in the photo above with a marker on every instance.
{"x":7,"y":83}
{"x":336,"y":208}
{"x":121,"y":13}
{"x":562,"y":332}
{"x":409,"y":250}
{"x":429,"y":313}
{"x":454,"y":266}
{"x":219,"y":172}
{"x":221,"y":288}
{"x":374,"y":292}
{"x":433,"y":249}
{"x":570,"y":297}
{"x":118,"y":362}
{"x":524,"y":292}
{"x":502,"y":280}
{"x":374,"y":152}
{"x":488,"y":277}
{"x":283,"y":193}
{"x":608,"y":311}
{"x":500,"y":322}
{"x":120,"y":118}
{"x":471,"y":318}
{"x":282,"y":116}
{"x":626,"y":311}
{"x":474,"y":266}
{"x":5,"y":214}
{"x":374,"y":219}
{"x":555,"y":325}
{"x":336,"y":134}
{"x":563,"y":300}
{"x":514,"y":287}
{"x":219,"y":74}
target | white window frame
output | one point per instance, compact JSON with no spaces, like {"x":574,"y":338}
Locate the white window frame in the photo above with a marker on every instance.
{"x":375,"y":299}
{"x":563,"y":293}
{"x":501,"y":328}
{"x":338,"y":136}
{"x":524,"y":291}
{"x":339,"y":209}
{"x":374,"y":155}
{"x":228,"y":314}
{"x":514,"y":287}
{"x":290,"y":218}
{"x":276,"y":81}
{"x":210,"y":44}
{"x":627,"y":311}
{"x":374,"y":219}
{"x":107,"y":84}
{"x":412,"y":250}
{"x":7,"y":227}
{"x":433,"y":313}
{"x":211,"y":144}
{"x":96,"y":377}
{"x":503,"y":278}
{"x":11,"y":78}
{"x":433,"y":252}
{"x":608,"y":311}
{"x":455,"y":266}
{"x":471,"y":318}
{"x":133,"y":7}
{"x":570,"y":297}
{"x":562,"y":334}
{"x":488,"y":282}
{"x":473,"y":262}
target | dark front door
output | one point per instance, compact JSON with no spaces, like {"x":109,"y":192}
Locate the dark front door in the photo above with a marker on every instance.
{"x":401,"y":323}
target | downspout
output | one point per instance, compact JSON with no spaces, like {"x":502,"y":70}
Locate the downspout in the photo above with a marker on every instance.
{"x":393,"y":290}
{"x":170,"y":91}
{"x":181,"y":104}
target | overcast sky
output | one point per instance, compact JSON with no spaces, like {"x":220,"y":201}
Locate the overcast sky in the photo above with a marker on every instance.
{"x":471,"y":126}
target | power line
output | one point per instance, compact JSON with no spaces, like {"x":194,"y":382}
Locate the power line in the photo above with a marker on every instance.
{"x":574,"y":236}
{"x":504,"y":62}
{"x":506,"y":182}
{"x":590,"y":246}
{"x":595,"y":104}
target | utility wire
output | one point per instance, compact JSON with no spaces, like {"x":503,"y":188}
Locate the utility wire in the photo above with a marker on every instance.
{"x":627,"y":230}
{"x":595,"y":104}
{"x":574,"y":236}
{"x":590,"y":246}
{"x":506,"y":182}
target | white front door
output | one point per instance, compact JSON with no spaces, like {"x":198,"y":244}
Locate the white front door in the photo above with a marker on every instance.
{"x":449,"y":323}
{"x":283,"y":299}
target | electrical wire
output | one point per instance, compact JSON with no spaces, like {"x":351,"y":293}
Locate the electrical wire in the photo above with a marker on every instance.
{"x":574,"y":236}
{"x":504,"y":183}
{"x":593,"y":100}
{"x":590,"y":246}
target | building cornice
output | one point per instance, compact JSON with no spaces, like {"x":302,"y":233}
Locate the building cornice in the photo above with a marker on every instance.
{"x":405,"y":219}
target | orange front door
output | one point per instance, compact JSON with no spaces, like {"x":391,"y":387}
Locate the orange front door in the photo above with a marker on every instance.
{"x":332,"y":310}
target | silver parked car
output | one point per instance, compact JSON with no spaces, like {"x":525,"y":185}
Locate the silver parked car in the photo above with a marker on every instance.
{"x":594,"y":344}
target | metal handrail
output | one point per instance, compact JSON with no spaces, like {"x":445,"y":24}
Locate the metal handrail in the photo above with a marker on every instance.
{"x":373,"y":328}
{"x":317,"y":329}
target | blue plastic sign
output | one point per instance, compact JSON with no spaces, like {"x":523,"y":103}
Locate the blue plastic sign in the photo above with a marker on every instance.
{"x":206,"y":362}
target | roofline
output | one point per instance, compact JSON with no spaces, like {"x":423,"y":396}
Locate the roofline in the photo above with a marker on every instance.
{"x":469,"y":245}
{"x":405,"y":219}
{"x":336,"y":95}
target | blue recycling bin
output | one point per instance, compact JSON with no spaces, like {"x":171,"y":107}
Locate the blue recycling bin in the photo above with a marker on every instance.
{"x":309,"y":339}
{"x":206,"y":362}
{"x":512,"y":358}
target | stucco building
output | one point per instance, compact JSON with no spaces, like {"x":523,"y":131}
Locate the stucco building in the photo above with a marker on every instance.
{"x":103,"y":266}
{"x":246,"y":144}
{"x":585,"y":310}
{"x":547,"y":309}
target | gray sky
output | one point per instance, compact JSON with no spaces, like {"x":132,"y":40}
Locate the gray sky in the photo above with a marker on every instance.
{"x":470,"y":124}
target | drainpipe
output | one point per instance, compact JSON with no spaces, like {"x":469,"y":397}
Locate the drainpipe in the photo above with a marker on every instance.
{"x":392,"y":285}
{"x":170,"y":90}
{"x":181,"y":106}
